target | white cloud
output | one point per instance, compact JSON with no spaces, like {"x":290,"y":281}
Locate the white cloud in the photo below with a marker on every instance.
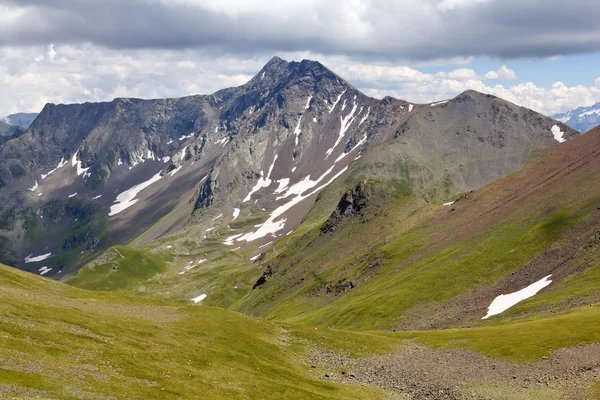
{"x":51,"y":52}
{"x":446,"y":5}
{"x":80,"y":73}
{"x":502,"y":73}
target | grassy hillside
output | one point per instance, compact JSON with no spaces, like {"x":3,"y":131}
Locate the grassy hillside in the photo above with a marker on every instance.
{"x":406,"y":264}
{"x":62,"y":342}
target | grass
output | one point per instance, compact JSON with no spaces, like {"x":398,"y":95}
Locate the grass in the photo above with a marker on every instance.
{"x":404,"y":282}
{"x":127,"y":268}
{"x":526,"y":341}
{"x":59,"y":341}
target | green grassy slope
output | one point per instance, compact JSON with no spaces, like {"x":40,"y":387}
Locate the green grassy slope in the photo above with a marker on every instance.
{"x":428,"y":266}
{"x":63,"y":342}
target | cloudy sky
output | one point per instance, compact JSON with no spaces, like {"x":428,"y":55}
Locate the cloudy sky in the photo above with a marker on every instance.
{"x":543,"y":54}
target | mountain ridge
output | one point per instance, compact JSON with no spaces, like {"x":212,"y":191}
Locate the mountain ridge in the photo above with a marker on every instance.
{"x":161,"y":166}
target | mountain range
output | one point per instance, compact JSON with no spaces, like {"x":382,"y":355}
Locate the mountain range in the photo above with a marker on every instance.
{"x":293,"y":237}
{"x":581,"y":119}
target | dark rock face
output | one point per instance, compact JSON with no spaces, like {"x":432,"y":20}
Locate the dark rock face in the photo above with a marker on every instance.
{"x":282,"y":137}
{"x":264,"y":277}
{"x":351,"y":204}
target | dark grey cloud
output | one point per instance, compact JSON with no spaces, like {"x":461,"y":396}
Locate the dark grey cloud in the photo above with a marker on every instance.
{"x":403,"y":29}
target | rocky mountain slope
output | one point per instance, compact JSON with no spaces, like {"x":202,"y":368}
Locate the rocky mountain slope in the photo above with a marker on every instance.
{"x":85,"y":177}
{"x":581,"y":119}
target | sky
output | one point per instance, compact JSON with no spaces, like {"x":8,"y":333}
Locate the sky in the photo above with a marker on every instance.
{"x":541,"y":54}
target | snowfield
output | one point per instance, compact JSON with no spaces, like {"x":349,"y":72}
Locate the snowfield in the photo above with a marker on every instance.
{"x":30,"y":258}
{"x":506,"y":301}
{"x":199,"y":298}
{"x":558,"y":134}
{"x":127,"y":198}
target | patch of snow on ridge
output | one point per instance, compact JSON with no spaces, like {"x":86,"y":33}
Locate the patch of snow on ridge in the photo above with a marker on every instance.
{"x":298,"y":131}
{"x":410,"y":107}
{"x":236,"y":213}
{"x":166,"y":159}
{"x":558,"y":134}
{"x":217,"y":217}
{"x":61,"y":164}
{"x":344,"y":125}
{"x":262,"y":182}
{"x":77,"y":163}
{"x":256,"y":257}
{"x":34,"y":187}
{"x":332,"y":107}
{"x":586,"y":113}
{"x":308,"y":102}
{"x":363,"y":119}
{"x":506,"y":301}
{"x":199,"y":298}
{"x":449,"y":203}
{"x":97,"y":197}
{"x":30,"y":258}
{"x":127,"y":198}
{"x":73,"y":195}
{"x":44,"y":270}
{"x":439,"y":103}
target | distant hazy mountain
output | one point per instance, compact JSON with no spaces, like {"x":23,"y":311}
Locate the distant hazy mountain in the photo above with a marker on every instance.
{"x":582,"y":119}
{"x":21,"y":119}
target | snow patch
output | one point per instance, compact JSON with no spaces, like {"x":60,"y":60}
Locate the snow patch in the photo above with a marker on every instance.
{"x":332,"y":107}
{"x":283,"y":183}
{"x":449,"y":203}
{"x":344,"y":125}
{"x":262,"y":182}
{"x":97,"y":197}
{"x":297,"y":131}
{"x":256,"y":257}
{"x":272,"y":225}
{"x":73,"y":195}
{"x":410,"y":107}
{"x":166,"y":159}
{"x":439,"y":103}
{"x":236,"y":213}
{"x":558,"y":134}
{"x":34,"y":187}
{"x":30,"y":258}
{"x":506,"y":301}
{"x":77,"y":163}
{"x":61,"y":164}
{"x":127,"y":198}
{"x":230,"y":239}
{"x":44,"y":270}
{"x":198,"y":299}
{"x":308,"y":102}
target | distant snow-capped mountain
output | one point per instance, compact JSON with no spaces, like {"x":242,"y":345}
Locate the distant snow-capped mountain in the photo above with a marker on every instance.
{"x":582,"y":119}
